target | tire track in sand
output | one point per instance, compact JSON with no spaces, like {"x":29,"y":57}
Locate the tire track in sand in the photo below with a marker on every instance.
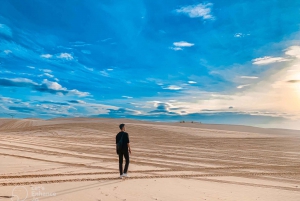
{"x":152,"y":177}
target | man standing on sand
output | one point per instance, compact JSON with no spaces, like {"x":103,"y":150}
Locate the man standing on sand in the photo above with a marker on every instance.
{"x":124,"y":151}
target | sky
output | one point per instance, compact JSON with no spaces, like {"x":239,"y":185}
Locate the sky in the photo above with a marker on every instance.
{"x":223,"y":62}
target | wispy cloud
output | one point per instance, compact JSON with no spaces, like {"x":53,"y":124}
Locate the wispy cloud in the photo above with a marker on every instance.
{"x":65,"y":56}
{"x":21,"y":109}
{"x":47,"y":56}
{"x":176,"y":48}
{"x":183,"y":44}
{"x":161,"y":108}
{"x":77,"y":101}
{"x":89,"y":69}
{"x":46,"y":86}
{"x":249,"y":77}
{"x":7,"y":51}
{"x":173,"y":87}
{"x":243,"y":86}
{"x":53,"y":103}
{"x":104,"y":40}
{"x":9,"y":100}
{"x":268,"y":60}
{"x":199,"y":10}
{"x":46,"y":70}
{"x":127,"y":97}
{"x":180,"y":45}
{"x":53,"y":85}
{"x":86,"y":51}
{"x":78,"y":93}
{"x":17,"y":82}
{"x":293,"y":51}
{"x":104,"y":73}
{"x":80,"y":44}
{"x":192,"y":82}
{"x":5,"y":30}
{"x":47,"y":75}
{"x":240,"y":35}
{"x":123,"y":111}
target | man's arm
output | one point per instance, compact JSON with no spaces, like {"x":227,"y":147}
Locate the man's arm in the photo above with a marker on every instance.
{"x":128,"y":145}
{"x":129,"y":149}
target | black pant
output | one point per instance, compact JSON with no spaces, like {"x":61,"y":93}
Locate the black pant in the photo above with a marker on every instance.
{"x":126,"y":155}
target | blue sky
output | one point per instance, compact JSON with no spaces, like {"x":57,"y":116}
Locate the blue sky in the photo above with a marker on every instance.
{"x":232,"y":61}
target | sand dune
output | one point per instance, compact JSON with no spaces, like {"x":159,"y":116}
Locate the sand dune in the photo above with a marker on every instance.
{"x":76,"y":159}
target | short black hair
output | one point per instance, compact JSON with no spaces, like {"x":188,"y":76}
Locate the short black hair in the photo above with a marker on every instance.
{"x":121,"y":126}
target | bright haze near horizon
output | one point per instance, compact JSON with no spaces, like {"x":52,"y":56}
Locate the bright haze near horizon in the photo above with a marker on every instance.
{"x":228,"y":62}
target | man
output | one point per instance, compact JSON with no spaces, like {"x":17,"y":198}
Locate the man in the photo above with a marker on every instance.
{"x":125,"y":148}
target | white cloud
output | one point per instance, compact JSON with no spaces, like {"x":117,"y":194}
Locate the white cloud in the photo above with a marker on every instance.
{"x":47,"y":56}
{"x":126,"y":96}
{"x":199,"y":10}
{"x":53,"y":85}
{"x":45,"y":86}
{"x":276,"y":91}
{"x":183,"y":44}
{"x":248,"y":77}
{"x":173,"y":87}
{"x":65,"y":56}
{"x":90,"y":69}
{"x":22,"y":80}
{"x":293,"y":51}
{"x":176,"y":48}
{"x":48,"y":75}
{"x":104,"y":73}
{"x":110,"y":69}
{"x":243,"y":86}
{"x":81,"y":102}
{"x":192,"y":82}
{"x":238,"y":35}
{"x":7,"y":51}
{"x":47,"y":70}
{"x":178,"y":45}
{"x":79,"y":93}
{"x":9,"y":100}
{"x":268,"y":60}
{"x":32,"y":67}
{"x":80,"y":44}
{"x":8,"y":72}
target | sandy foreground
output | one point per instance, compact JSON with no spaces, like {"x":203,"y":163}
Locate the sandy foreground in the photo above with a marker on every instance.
{"x":75,"y":159}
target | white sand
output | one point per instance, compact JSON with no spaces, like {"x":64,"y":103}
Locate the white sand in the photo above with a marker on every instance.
{"x":75,"y":159}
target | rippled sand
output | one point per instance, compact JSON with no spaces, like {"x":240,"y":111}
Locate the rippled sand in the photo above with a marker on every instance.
{"x":75,"y":159}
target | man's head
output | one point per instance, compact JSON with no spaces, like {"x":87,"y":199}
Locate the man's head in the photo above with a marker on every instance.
{"x":122,"y":127}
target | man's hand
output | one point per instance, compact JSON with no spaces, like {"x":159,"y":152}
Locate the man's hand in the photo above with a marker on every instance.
{"x":129,"y":149}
